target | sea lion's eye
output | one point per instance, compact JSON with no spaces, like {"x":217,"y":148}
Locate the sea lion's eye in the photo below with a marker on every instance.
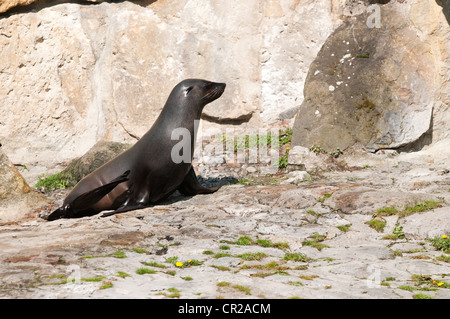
{"x":187,"y":91}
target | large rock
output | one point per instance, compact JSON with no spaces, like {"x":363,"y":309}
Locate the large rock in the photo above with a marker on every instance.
{"x":101,"y":153}
{"x":16,"y":197}
{"x":377,"y":82}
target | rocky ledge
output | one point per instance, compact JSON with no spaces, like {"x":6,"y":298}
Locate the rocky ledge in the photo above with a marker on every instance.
{"x":373,"y":231}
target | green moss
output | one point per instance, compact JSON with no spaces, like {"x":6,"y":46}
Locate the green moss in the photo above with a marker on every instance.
{"x":386,"y":211}
{"x":93,"y":279}
{"x":106,"y":285}
{"x":443,"y":258}
{"x":322,"y":199}
{"x":119,"y":254}
{"x":223,"y":284}
{"x":296,"y":257}
{"x":172,"y":260}
{"x":253,"y":256}
{"x":153,"y":264}
{"x":377,"y":223}
{"x":364,"y":55}
{"x":344,"y":228}
{"x":122,"y":274}
{"x":421,"y":207}
{"x":244,"y":289}
{"x":441,"y":243}
{"x":316,"y":241}
{"x":220,"y":255}
{"x":269,"y":243}
{"x":174,"y":293}
{"x":221,"y":268}
{"x":422,"y":296}
{"x":245,"y":241}
{"x":55,"y":181}
{"x":143,"y":271}
{"x":140,"y":251}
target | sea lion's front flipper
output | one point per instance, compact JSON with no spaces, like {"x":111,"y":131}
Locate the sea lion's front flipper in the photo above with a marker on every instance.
{"x":81,"y":206}
{"x":191,"y":186}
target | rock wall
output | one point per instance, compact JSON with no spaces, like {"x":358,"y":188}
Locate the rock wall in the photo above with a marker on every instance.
{"x":16,"y":197}
{"x":75,"y":74}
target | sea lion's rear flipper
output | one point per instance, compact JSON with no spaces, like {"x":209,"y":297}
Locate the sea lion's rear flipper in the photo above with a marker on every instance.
{"x":81,"y":206}
{"x":89,"y":198}
{"x":191,"y":186}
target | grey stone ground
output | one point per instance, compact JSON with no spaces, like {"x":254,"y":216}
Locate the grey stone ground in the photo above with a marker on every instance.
{"x":79,"y":258}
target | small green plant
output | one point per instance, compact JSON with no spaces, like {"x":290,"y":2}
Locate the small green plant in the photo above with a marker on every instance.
{"x":118,"y":254}
{"x":283,"y":161}
{"x":386,"y":211}
{"x":221,"y":268}
{"x":286,"y":136}
{"x":93,"y":279}
{"x":244,"y":240}
{"x":322,"y":199}
{"x":122,"y":274}
{"x":316,"y":241}
{"x":443,"y":258}
{"x":421,"y":207}
{"x":153,"y":264}
{"x":364,"y":55}
{"x":336,"y":153}
{"x":247,"y":241}
{"x":223,"y":284}
{"x":296,"y":257}
{"x":253,"y":256}
{"x":51,"y":182}
{"x":377,"y":223}
{"x":106,"y":284}
{"x":143,"y":271}
{"x":244,"y":289}
{"x":441,"y":243}
{"x":172,"y":260}
{"x":220,"y":255}
{"x":397,"y":233}
{"x":422,"y":296}
{"x":140,"y":251}
{"x":344,"y":228}
{"x":269,"y":243}
{"x":317,"y":149}
{"x":173,"y":293}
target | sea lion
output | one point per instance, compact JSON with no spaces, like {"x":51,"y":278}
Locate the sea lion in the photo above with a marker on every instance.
{"x":147,"y":173}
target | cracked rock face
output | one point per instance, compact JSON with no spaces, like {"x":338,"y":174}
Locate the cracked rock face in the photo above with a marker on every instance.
{"x":74,"y":74}
{"x":375,"y":81}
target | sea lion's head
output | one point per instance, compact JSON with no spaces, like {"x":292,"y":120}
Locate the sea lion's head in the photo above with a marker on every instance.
{"x":193,"y":94}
